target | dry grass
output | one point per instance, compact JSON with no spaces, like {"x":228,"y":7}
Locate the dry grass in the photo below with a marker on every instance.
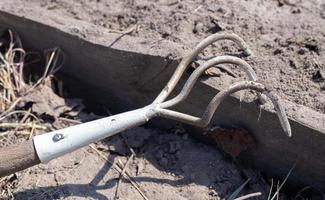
{"x":13,"y":84}
{"x":16,"y":123}
{"x":11,"y":74}
{"x":123,"y":172}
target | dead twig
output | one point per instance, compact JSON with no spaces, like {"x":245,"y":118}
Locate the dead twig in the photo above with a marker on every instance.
{"x":279,"y":186}
{"x":19,"y":112}
{"x":121,"y":175}
{"x":32,"y":131}
{"x":11,"y":108}
{"x":22,"y":126}
{"x":238,"y":190}
{"x":69,"y":120}
{"x":127,"y":144}
{"x":48,"y":70}
{"x":247,"y":196}
{"x":123,"y":33}
{"x":118,"y":169}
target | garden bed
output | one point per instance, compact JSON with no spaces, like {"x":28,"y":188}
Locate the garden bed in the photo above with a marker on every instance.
{"x":125,"y":68}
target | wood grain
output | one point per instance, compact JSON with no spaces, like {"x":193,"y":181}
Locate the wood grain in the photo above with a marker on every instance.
{"x":17,"y":157}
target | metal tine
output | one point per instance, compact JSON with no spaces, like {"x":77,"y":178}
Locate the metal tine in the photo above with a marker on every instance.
{"x":183,"y":65}
{"x":208,"y":64}
{"x":218,"y":98}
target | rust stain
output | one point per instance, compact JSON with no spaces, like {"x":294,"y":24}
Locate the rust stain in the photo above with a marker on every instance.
{"x":233,"y":141}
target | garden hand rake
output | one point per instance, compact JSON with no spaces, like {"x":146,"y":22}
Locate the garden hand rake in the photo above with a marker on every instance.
{"x":46,"y":147}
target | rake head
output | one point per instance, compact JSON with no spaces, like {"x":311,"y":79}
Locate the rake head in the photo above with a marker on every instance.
{"x":263,"y":93}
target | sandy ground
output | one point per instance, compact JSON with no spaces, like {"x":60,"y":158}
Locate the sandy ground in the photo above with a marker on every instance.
{"x":153,"y":164}
{"x":166,"y":166}
{"x":286,"y":36}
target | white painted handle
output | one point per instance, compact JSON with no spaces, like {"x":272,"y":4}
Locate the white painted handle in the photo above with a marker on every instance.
{"x":57,"y":143}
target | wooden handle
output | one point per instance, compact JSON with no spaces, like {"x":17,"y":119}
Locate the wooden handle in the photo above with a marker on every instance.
{"x":17,"y":157}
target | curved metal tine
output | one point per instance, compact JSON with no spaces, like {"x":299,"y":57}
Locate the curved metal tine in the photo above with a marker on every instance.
{"x":190,"y":56}
{"x":213,"y":105}
{"x":189,"y":84}
{"x":215,"y":102}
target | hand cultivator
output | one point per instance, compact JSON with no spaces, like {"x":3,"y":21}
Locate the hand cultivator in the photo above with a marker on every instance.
{"x":46,"y":147}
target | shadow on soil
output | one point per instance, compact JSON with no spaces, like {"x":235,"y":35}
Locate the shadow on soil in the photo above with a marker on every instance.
{"x":172,"y":159}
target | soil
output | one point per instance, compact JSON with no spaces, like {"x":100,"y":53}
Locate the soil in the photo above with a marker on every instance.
{"x":287,"y":39}
{"x":286,"y":36}
{"x":163,"y":164}
{"x":166,"y":166}
{"x":159,"y":165}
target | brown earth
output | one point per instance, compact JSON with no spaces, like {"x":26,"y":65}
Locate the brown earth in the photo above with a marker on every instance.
{"x":287,"y":39}
{"x":286,"y":36}
{"x":166,"y":166}
{"x":161,"y":165}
